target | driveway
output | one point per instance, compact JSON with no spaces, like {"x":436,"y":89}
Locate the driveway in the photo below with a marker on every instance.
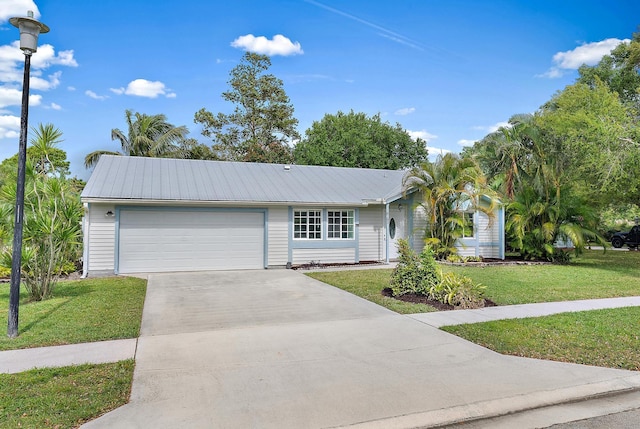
{"x":276,"y":349}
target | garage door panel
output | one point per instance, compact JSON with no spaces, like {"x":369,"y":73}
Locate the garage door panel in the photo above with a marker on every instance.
{"x":165,"y":240}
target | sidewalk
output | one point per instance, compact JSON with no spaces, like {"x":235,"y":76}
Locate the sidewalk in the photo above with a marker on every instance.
{"x":459,"y":317}
{"x":13,"y":361}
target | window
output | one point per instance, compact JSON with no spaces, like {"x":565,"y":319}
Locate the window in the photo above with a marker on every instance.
{"x":340,"y":224}
{"x":307,"y":224}
{"x":467,"y":225}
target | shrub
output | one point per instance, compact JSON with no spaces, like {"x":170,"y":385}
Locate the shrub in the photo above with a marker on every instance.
{"x":455,"y":258}
{"x":406,"y":275}
{"x":428,"y":272}
{"x":459,"y":291}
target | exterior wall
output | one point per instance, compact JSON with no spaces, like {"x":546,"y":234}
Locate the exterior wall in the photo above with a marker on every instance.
{"x":417,"y":226}
{"x":278,"y":248}
{"x":368,"y":244}
{"x":488,"y":241}
{"x":306,"y":256}
{"x":372,"y":234}
{"x":101,"y":230}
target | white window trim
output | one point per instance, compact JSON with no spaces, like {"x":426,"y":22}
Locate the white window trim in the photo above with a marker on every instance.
{"x":351,"y":212}
{"x":473,"y":225}
{"x":307,"y":238}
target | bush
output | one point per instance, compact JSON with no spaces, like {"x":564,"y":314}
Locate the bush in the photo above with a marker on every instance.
{"x":421,"y":275}
{"x":406,"y":275}
{"x":428,"y":272}
{"x":458,"y":291}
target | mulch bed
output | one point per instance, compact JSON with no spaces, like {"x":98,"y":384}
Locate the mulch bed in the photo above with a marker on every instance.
{"x":421,"y":299}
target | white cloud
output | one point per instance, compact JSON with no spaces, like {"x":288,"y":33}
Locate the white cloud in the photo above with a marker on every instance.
{"x":405,"y":111}
{"x":46,"y":57}
{"x":13,"y":97}
{"x":422,"y":134}
{"x":11,"y":8}
{"x":434,"y":152}
{"x":55,"y":106}
{"x":492,"y":128}
{"x":587,"y":53}
{"x":495,"y":127}
{"x":38,"y":83}
{"x":95,"y":96}
{"x":279,"y":45}
{"x":71,"y":88}
{"x":465,"y":142}
{"x":9,"y":126}
{"x":144,"y":88}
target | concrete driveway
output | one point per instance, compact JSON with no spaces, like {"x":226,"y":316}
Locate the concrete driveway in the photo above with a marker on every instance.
{"x":276,"y":349}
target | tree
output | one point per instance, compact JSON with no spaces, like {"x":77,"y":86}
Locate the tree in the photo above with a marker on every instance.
{"x":53,"y":212}
{"x":43,"y":154}
{"x":449,"y":186}
{"x":262,"y":124}
{"x":356,"y":140}
{"x":147,"y":135}
{"x":537,"y":220}
{"x":620,"y":71}
{"x":599,"y":137}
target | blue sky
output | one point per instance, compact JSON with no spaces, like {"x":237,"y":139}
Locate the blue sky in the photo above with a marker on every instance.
{"x":448,"y":71}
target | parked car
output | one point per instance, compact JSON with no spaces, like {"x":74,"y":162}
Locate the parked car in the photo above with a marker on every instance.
{"x":631,"y":238}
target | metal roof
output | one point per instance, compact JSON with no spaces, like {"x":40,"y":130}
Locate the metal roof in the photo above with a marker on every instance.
{"x":162,"y":179}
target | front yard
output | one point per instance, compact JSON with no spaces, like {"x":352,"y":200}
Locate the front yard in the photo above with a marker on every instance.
{"x":593,"y":275}
{"x":81,"y":311}
{"x":605,"y":337}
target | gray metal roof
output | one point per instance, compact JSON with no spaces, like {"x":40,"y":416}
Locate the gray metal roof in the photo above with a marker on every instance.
{"x":158,"y":179}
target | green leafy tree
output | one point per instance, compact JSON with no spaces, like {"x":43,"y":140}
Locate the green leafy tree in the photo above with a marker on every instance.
{"x":262,"y":124}
{"x":43,"y":154}
{"x":52,"y":216}
{"x":536,"y":220}
{"x":356,"y":140}
{"x":599,"y":138}
{"x":147,"y":135}
{"x":620,"y":71}
{"x":449,"y":186}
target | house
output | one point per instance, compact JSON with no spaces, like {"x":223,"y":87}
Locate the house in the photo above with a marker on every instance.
{"x":156,"y":214}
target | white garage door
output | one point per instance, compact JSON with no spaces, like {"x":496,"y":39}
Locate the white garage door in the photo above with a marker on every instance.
{"x":166,"y":240}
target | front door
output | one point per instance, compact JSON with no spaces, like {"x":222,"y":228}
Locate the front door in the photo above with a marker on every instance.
{"x":396,"y":227}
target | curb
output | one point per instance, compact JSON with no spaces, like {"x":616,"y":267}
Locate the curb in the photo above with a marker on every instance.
{"x":496,"y":408}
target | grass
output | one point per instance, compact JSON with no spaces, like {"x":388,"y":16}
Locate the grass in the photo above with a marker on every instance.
{"x":608,"y":338}
{"x":63,"y":397}
{"x":80,"y":311}
{"x":593,"y":275}
{"x":368,"y":284}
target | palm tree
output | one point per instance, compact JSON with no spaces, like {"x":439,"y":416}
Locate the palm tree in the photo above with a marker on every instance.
{"x":147,"y":135}
{"x":450,"y":186}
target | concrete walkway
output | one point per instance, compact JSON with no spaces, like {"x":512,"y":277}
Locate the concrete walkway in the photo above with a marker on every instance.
{"x":14,"y":361}
{"x":459,"y":317}
{"x":276,"y":349}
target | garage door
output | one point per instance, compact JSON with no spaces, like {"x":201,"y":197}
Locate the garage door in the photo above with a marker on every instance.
{"x":193,"y":240}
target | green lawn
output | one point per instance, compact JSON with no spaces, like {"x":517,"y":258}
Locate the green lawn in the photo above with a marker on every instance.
{"x":593,"y":275}
{"x":80,"y":311}
{"x":609,"y":338}
{"x":368,"y":284}
{"x":63,"y":397}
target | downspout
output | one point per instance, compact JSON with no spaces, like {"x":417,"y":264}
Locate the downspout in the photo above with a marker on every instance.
{"x":386,"y":232}
{"x":85,"y":241}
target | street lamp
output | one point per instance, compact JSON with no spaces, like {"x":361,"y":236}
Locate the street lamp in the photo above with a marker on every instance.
{"x":30,"y":28}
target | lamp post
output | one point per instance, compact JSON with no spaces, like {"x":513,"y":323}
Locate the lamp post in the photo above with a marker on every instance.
{"x":30,"y":28}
